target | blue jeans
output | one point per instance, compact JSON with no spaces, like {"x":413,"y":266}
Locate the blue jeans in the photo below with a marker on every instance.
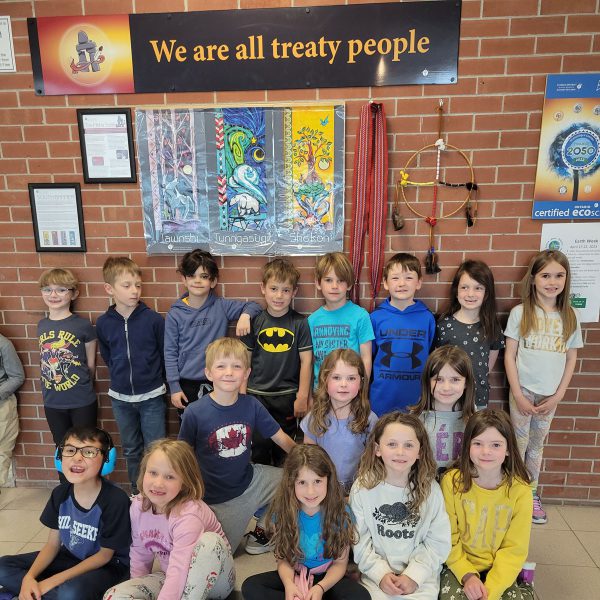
{"x":140,"y":423}
{"x":89,"y":586}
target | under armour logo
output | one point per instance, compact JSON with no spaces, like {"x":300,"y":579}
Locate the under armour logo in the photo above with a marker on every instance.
{"x":413,"y":355}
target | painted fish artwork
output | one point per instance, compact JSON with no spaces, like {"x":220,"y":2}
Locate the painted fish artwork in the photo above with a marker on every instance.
{"x":262,"y":180}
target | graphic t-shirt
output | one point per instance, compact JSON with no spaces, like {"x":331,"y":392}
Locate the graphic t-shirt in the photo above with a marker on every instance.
{"x":66,"y":378}
{"x":84,"y":531}
{"x":346,"y":327}
{"x":542,"y":355}
{"x":222,"y":440}
{"x":276,"y":343}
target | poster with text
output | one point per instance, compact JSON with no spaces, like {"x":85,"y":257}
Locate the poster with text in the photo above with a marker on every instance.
{"x":581,"y":244}
{"x":257,"y":180}
{"x":567,"y":183}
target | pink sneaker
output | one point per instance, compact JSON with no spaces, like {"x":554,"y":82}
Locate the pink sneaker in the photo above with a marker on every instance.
{"x":539,"y":514}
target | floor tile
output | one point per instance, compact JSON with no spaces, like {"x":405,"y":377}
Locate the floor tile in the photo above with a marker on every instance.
{"x":31,"y":547}
{"x":581,"y":518}
{"x":8,"y":495}
{"x":545,"y":544}
{"x":10,"y":547}
{"x":555,"y":519}
{"x":41,"y":535}
{"x":246,"y":565}
{"x":30,"y":499}
{"x":554,"y":582}
{"x":590,"y":540}
{"x":18,"y":525}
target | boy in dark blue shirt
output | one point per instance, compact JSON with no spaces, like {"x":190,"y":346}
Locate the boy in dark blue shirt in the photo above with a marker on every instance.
{"x":87,"y":550}
{"x":219,"y":427}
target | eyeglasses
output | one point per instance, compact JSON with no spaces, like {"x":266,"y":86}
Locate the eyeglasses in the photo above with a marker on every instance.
{"x":59,"y":291}
{"x":87,"y":451}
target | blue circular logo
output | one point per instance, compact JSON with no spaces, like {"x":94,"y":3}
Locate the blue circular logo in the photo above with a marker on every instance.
{"x":581,"y":149}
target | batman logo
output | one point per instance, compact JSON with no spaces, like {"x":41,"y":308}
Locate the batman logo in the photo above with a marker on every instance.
{"x":276,"y":339}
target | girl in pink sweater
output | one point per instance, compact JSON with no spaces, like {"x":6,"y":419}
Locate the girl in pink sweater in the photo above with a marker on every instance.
{"x":170,"y":522}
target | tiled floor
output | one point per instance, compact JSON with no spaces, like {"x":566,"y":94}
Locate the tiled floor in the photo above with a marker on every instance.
{"x":566,"y":549}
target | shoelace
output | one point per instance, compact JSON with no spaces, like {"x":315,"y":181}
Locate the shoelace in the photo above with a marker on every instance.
{"x":537,"y":503}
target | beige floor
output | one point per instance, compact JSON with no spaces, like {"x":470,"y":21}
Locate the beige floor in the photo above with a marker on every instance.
{"x":566,"y":549}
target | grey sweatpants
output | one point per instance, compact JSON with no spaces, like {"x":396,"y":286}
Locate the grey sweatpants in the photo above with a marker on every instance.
{"x":235,"y":514}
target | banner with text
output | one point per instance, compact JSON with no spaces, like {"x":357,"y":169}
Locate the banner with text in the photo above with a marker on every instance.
{"x":325,"y":46}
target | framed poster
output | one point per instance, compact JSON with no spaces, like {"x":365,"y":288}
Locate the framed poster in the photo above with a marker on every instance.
{"x":57,"y":217}
{"x":253,"y":180}
{"x":567,"y":182}
{"x":106,"y":140}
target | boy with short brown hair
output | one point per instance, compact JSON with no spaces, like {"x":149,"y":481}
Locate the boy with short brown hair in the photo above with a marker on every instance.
{"x":404,"y":332}
{"x":281,"y":349}
{"x":131,"y":337}
{"x":339,"y":323}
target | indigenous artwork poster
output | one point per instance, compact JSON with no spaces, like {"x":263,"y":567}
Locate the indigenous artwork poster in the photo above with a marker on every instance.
{"x":82,"y":55}
{"x":567,"y":183}
{"x":260,"y":180}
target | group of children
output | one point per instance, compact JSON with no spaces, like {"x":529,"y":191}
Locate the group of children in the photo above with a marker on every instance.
{"x":240,"y":403}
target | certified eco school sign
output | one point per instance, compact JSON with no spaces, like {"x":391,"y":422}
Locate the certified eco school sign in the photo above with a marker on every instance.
{"x":324,"y":46}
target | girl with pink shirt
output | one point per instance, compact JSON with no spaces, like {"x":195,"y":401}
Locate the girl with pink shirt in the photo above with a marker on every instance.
{"x":171,"y":522}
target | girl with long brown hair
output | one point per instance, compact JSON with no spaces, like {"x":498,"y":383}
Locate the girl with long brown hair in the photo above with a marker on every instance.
{"x":341,"y":418}
{"x":447,"y":401}
{"x":489,"y":504}
{"x":542,"y":338}
{"x":404,"y":534}
{"x":312,"y":532}
{"x":470,"y":322}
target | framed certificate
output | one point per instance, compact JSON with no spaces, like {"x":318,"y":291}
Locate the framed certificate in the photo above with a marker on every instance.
{"x":106,"y":140}
{"x":57,"y":217}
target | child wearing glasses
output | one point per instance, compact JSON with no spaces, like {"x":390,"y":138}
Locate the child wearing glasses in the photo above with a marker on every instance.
{"x":67,"y":357}
{"x":88,"y":518}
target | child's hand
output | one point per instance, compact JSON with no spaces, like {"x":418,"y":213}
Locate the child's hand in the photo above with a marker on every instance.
{"x":300,"y":407}
{"x":315,"y":593}
{"x":178,"y":399}
{"x":30,"y":589}
{"x":524,"y":406}
{"x":548,"y":404}
{"x":405,"y":584}
{"x":473,"y":588}
{"x":292,"y":592}
{"x":243,"y":325}
{"x":388,"y":584}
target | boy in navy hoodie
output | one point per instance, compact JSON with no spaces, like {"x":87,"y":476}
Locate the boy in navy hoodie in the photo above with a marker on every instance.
{"x":131,"y":338}
{"x":404,"y":332}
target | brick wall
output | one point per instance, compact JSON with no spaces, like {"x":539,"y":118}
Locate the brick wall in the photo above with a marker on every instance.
{"x":506,"y":49}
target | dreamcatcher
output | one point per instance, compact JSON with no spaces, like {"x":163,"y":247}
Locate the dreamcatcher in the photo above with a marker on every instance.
{"x":468,"y":203}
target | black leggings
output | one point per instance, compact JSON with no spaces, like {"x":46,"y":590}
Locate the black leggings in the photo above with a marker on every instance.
{"x":60,"y":420}
{"x":268,"y":586}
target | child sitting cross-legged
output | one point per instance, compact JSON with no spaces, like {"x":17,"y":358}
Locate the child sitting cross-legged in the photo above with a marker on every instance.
{"x":170,"y":521}
{"x":88,"y":544}
{"x":219,"y":427}
{"x":313,"y":531}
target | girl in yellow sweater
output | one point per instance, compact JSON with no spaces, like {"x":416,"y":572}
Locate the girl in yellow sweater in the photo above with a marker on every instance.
{"x":489,"y":503}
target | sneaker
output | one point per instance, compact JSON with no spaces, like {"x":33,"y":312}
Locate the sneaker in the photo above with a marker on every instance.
{"x":257,"y":541}
{"x":539,"y":514}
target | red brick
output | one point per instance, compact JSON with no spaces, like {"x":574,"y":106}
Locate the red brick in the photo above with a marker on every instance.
{"x":563,"y":44}
{"x":510,"y":8}
{"x":583,"y":23}
{"x":558,"y":7}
